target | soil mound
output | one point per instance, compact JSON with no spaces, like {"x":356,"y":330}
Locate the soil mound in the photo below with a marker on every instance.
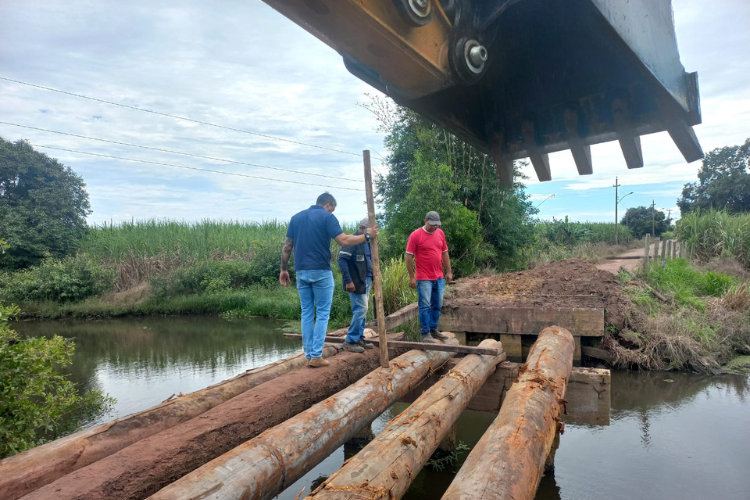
{"x":565,"y":283}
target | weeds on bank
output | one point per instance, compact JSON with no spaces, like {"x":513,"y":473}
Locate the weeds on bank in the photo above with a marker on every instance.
{"x":703,"y":324}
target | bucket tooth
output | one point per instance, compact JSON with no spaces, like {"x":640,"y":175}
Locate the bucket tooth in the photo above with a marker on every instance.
{"x":503,"y":162}
{"x":582,"y":157}
{"x":631,"y":149}
{"x":686,"y":141}
{"x":629,"y":142}
{"x":581,"y":151}
{"x":539,"y":160}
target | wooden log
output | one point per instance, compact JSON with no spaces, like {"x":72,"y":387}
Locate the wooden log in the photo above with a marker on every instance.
{"x":32,"y":469}
{"x":148,"y":465}
{"x":265,"y":465}
{"x":400,"y":344}
{"x":385,"y":468}
{"x":376,"y":278}
{"x":508,"y":461}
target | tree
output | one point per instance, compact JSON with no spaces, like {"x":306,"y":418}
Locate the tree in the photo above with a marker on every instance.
{"x":37,"y":402}
{"x":43,"y":206}
{"x":723,"y":182}
{"x":639,"y":220}
{"x":431,"y":168}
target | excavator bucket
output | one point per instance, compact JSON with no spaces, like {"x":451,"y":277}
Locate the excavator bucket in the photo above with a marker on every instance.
{"x":521,"y":78}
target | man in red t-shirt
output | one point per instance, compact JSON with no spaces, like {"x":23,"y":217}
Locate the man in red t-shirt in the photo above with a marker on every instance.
{"x":428,"y":246}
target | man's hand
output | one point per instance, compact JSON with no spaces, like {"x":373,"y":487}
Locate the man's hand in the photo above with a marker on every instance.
{"x":284,"y":277}
{"x":373,"y":231}
{"x":350,"y":287}
{"x":448,"y":277}
{"x":412,"y":282}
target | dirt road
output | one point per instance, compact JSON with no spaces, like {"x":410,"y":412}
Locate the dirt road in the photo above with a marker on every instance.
{"x":628,"y":262}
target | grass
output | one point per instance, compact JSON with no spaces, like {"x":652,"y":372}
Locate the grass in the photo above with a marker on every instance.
{"x":701,"y":327}
{"x":715,"y":233}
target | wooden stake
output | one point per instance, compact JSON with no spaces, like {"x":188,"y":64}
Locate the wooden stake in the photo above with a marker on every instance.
{"x":397,"y":344}
{"x":645,"y":254}
{"x":376,"y":279}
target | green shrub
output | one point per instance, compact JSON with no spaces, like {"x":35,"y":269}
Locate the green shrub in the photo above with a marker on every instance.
{"x":214,"y":276}
{"x":37,"y":402}
{"x":687,"y":284}
{"x":68,"y":280}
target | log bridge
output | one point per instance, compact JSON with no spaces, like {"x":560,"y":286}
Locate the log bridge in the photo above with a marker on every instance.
{"x":253,"y":436}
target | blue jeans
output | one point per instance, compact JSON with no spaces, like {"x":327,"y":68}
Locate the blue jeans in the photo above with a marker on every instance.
{"x":359,"y":314}
{"x":430,"y":295}
{"x":315,"y":295}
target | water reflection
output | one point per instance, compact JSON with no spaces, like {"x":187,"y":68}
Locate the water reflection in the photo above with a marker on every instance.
{"x":142,"y":362}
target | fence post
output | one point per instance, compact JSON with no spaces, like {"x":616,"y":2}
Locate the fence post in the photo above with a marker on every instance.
{"x":656,"y":249}
{"x":663,"y":252}
{"x":645,"y":255}
{"x":668,"y":255}
{"x":682,"y":250}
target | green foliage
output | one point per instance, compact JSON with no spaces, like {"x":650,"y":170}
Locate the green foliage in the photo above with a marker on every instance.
{"x":37,"y":402}
{"x":214,"y":276}
{"x":432,"y":186}
{"x":562,"y":232}
{"x":686,"y":284}
{"x":723,"y":182}
{"x":43,"y":206}
{"x":439,"y":463}
{"x":713,"y":233}
{"x":430,"y":169}
{"x":60,"y":280}
{"x":641,"y":220}
{"x":396,"y":290}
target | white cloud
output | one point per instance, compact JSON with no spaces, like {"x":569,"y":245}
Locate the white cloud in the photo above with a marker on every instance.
{"x":244,"y":66}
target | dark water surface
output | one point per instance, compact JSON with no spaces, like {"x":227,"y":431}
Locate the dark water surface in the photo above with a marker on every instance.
{"x":671,"y":435}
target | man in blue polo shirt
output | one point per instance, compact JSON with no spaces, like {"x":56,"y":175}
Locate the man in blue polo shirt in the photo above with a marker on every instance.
{"x":309,"y":237}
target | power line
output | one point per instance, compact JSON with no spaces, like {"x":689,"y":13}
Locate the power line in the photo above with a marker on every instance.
{"x":136,"y":108}
{"x":193,"y":168}
{"x":180,"y":152}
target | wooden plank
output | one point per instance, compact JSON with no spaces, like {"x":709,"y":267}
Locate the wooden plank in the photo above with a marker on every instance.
{"x":464,"y":349}
{"x":601,"y":354}
{"x":376,"y":278}
{"x":580,"y":321}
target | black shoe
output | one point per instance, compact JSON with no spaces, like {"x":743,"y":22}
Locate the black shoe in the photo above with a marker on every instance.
{"x":353,"y":347}
{"x":361,"y":342}
{"x":427,"y":339}
{"x":439,"y":335}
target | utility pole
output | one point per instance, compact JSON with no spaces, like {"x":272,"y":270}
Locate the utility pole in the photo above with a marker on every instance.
{"x":617,"y":201}
{"x":653,"y":209}
{"x":669,"y":213}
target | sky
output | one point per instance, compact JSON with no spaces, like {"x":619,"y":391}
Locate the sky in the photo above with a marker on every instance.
{"x":243,"y":66}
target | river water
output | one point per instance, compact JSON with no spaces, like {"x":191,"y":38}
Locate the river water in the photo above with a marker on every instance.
{"x":672,"y":435}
